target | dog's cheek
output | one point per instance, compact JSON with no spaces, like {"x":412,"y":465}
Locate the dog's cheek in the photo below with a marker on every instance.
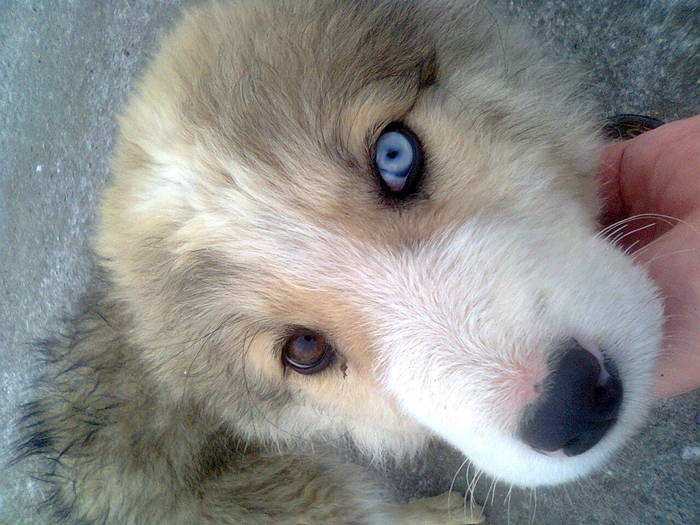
{"x":262,"y":358}
{"x":341,"y":389}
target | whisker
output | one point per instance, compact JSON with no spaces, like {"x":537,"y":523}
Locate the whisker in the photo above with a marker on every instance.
{"x":452,"y":483}
{"x":636,"y":230}
{"x":568,"y":496}
{"x":679,"y":338}
{"x":534,"y":507}
{"x":203,"y":342}
{"x":667,"y":219}
{"x":676,"y":252}
{"x":470,"y":492}
{"x":645,"y":247}
{"x":492,"y":487}
{"x":630,"y":249}
{"x":608,"y":232}
{"x":508,"y":500}
{"x":611,"y":230}
{"x":472,"y":484}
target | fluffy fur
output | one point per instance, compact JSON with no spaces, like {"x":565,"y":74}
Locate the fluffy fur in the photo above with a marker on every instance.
{"x":244,"y":202}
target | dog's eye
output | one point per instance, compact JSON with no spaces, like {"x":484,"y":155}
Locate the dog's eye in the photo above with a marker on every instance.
{"x":307,"y":352}
{"x":398,"y":159}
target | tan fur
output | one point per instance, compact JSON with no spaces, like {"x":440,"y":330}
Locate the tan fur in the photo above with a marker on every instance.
{"x":244,"y":203}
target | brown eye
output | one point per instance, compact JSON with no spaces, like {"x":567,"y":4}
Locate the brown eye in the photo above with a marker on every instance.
{"x":307,"y":352}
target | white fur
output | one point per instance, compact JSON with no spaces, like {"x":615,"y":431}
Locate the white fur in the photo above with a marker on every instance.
{"x":458,"y":317}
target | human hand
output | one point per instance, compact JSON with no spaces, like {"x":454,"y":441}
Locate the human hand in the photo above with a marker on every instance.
{"x":656,"y":178}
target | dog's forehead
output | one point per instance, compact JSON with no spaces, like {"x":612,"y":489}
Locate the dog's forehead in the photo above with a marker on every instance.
{"x":314,"y":78}
{"x":271,"y":110}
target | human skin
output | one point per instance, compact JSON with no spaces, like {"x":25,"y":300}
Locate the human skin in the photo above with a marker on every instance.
{"x":658,"y":173}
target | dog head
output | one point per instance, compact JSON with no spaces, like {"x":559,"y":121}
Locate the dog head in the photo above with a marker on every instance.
{"x":378,"y":220}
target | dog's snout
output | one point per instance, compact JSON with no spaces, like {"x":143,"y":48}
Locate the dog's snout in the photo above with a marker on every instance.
{"x":578,"y":406}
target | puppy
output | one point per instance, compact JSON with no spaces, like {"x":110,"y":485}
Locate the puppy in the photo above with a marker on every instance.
{"x":367,"y":220}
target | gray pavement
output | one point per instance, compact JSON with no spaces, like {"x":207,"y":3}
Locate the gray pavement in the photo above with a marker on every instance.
{"x":65,"y":69}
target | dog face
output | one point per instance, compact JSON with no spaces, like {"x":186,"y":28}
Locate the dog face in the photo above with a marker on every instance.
{"x":377,"y":220}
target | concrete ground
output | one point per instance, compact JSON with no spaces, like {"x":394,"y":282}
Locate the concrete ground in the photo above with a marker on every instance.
{"x":65,"y":69}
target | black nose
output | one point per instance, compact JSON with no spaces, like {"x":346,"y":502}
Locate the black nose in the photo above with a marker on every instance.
{"x":579,"y":404}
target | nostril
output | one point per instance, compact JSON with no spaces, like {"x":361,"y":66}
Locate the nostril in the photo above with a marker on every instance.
{"x":580,"y":403}
{"x":607,"y":397}
{"x":587,"y":438}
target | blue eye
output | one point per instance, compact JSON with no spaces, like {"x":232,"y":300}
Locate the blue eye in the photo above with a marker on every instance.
{"x":398,"y":159}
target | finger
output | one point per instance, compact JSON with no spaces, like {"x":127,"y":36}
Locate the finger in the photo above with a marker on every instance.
{"x":674,"y":262}
{"x":657,"y":172}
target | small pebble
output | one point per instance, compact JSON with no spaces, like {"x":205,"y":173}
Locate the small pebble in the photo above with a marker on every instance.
{"x":691,"y":453}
